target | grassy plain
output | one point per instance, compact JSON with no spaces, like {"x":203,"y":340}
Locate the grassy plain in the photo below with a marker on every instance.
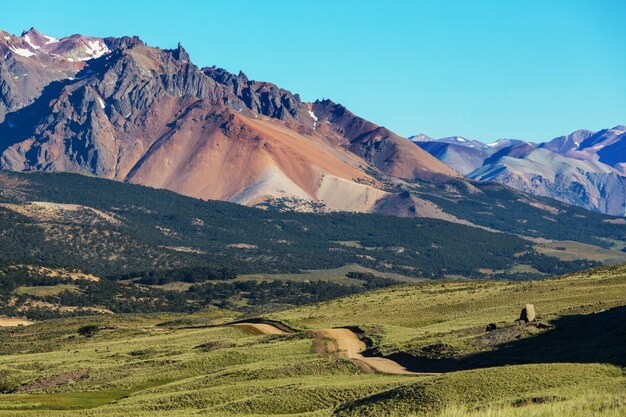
{"x":336,"y":275}
{"x":453,"y":311}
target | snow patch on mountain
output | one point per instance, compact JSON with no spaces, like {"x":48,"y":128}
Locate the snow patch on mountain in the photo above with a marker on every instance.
{"x":28,"y":41}
{"x":314,"y":119}
{"x":91,"y":50}
{"x":22,"y":52}
{"x":97,"y":48}
{"x":50,"y":39}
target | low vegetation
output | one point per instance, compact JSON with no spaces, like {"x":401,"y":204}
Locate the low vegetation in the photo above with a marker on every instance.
{"x":449,"y":317}
{"x":135,"y":291}
{"x":569,"y":362}
{"x":117,"y":230}
{"x":71,"y":294}
{"x":502,"y":208}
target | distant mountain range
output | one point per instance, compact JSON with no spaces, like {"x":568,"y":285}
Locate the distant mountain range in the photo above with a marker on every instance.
{"x":584,"y":168}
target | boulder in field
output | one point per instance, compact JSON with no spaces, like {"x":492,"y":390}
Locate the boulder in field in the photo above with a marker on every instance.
{"x":528,"y":314}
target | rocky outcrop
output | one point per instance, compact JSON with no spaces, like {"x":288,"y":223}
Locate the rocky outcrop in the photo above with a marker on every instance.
{"x":261,"y":97}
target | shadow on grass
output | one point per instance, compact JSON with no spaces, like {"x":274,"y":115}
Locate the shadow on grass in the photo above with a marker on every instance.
{"x":590,"y":338}
{"x":71,"y":400}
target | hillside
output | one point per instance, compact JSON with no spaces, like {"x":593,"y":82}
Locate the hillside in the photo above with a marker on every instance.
{"x":152,"y":250}
{"x":569,"y":362}
{"x":171,"y":226}
{"x":446,"y":321}
{"x":47,"y":217}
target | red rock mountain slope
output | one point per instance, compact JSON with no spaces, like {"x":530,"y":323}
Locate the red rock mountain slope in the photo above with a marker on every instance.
{"x":122,"y":110}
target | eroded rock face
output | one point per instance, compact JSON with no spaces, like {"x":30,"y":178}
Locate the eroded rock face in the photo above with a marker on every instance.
{"x":122,"y":110}
{"x":260,"y":97}
{"x":377,"y":145}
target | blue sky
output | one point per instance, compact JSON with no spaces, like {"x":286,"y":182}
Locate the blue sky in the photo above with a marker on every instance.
{"x":483,"y":69}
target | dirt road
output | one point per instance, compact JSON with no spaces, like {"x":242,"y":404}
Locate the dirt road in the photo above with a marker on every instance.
{"x":13,"y":321}
{"x":341,"y":341}
{"x":345,"y":342}
{"x":261,"y":328}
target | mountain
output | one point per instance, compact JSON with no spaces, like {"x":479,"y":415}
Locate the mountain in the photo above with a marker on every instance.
{"x":568,"y":143}
{"x":119,"y":109}
{"x":461,"y":154}
{"x":584,"y":168}
{"x":609,"y":145}
{"x":452,"y":140}
{"x":585,"y":183}
{"x":30,"y":62}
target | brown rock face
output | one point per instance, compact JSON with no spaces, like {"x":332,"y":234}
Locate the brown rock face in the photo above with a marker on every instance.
{"x":380,"y":147}
{"x":119,"y":109}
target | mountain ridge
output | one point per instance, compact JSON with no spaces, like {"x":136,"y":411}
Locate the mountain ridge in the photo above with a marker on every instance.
{"x":584,"y":168}
{"x":120,"y":109}
{"x":126,"y":111}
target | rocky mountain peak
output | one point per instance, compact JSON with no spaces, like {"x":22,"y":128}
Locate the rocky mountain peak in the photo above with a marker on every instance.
{"x":120,"y":109}
{"x":125,"y":42}
{"x":36,"y":39}
{"x":180,"y":53}
{"x":420,"y":137}
{"x":31,"y":31}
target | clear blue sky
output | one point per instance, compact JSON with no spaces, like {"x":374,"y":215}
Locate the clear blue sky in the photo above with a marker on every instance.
{"x":531,"y":69}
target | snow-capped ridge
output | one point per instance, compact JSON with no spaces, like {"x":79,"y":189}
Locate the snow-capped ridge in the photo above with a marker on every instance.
{"x":74,"y":48}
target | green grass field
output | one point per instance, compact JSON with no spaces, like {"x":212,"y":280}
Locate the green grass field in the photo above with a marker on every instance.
{"x":336,"y":275}
{"x":456,"y":311}
{"x":333,"y":275}
{"x":570,"y":363}
{"x":44,"y":290}
{"x":569,"y":250}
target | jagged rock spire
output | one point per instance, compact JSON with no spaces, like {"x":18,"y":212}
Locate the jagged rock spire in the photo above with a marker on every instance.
{"x":181,"y":54}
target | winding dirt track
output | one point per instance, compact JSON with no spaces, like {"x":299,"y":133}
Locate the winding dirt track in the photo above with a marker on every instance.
{"x":345,"y":342}
{"x":341,"y":341}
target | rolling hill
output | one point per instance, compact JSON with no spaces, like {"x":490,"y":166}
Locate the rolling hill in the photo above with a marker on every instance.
{"x":568,"y":362}
{"x":75,"y":245}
